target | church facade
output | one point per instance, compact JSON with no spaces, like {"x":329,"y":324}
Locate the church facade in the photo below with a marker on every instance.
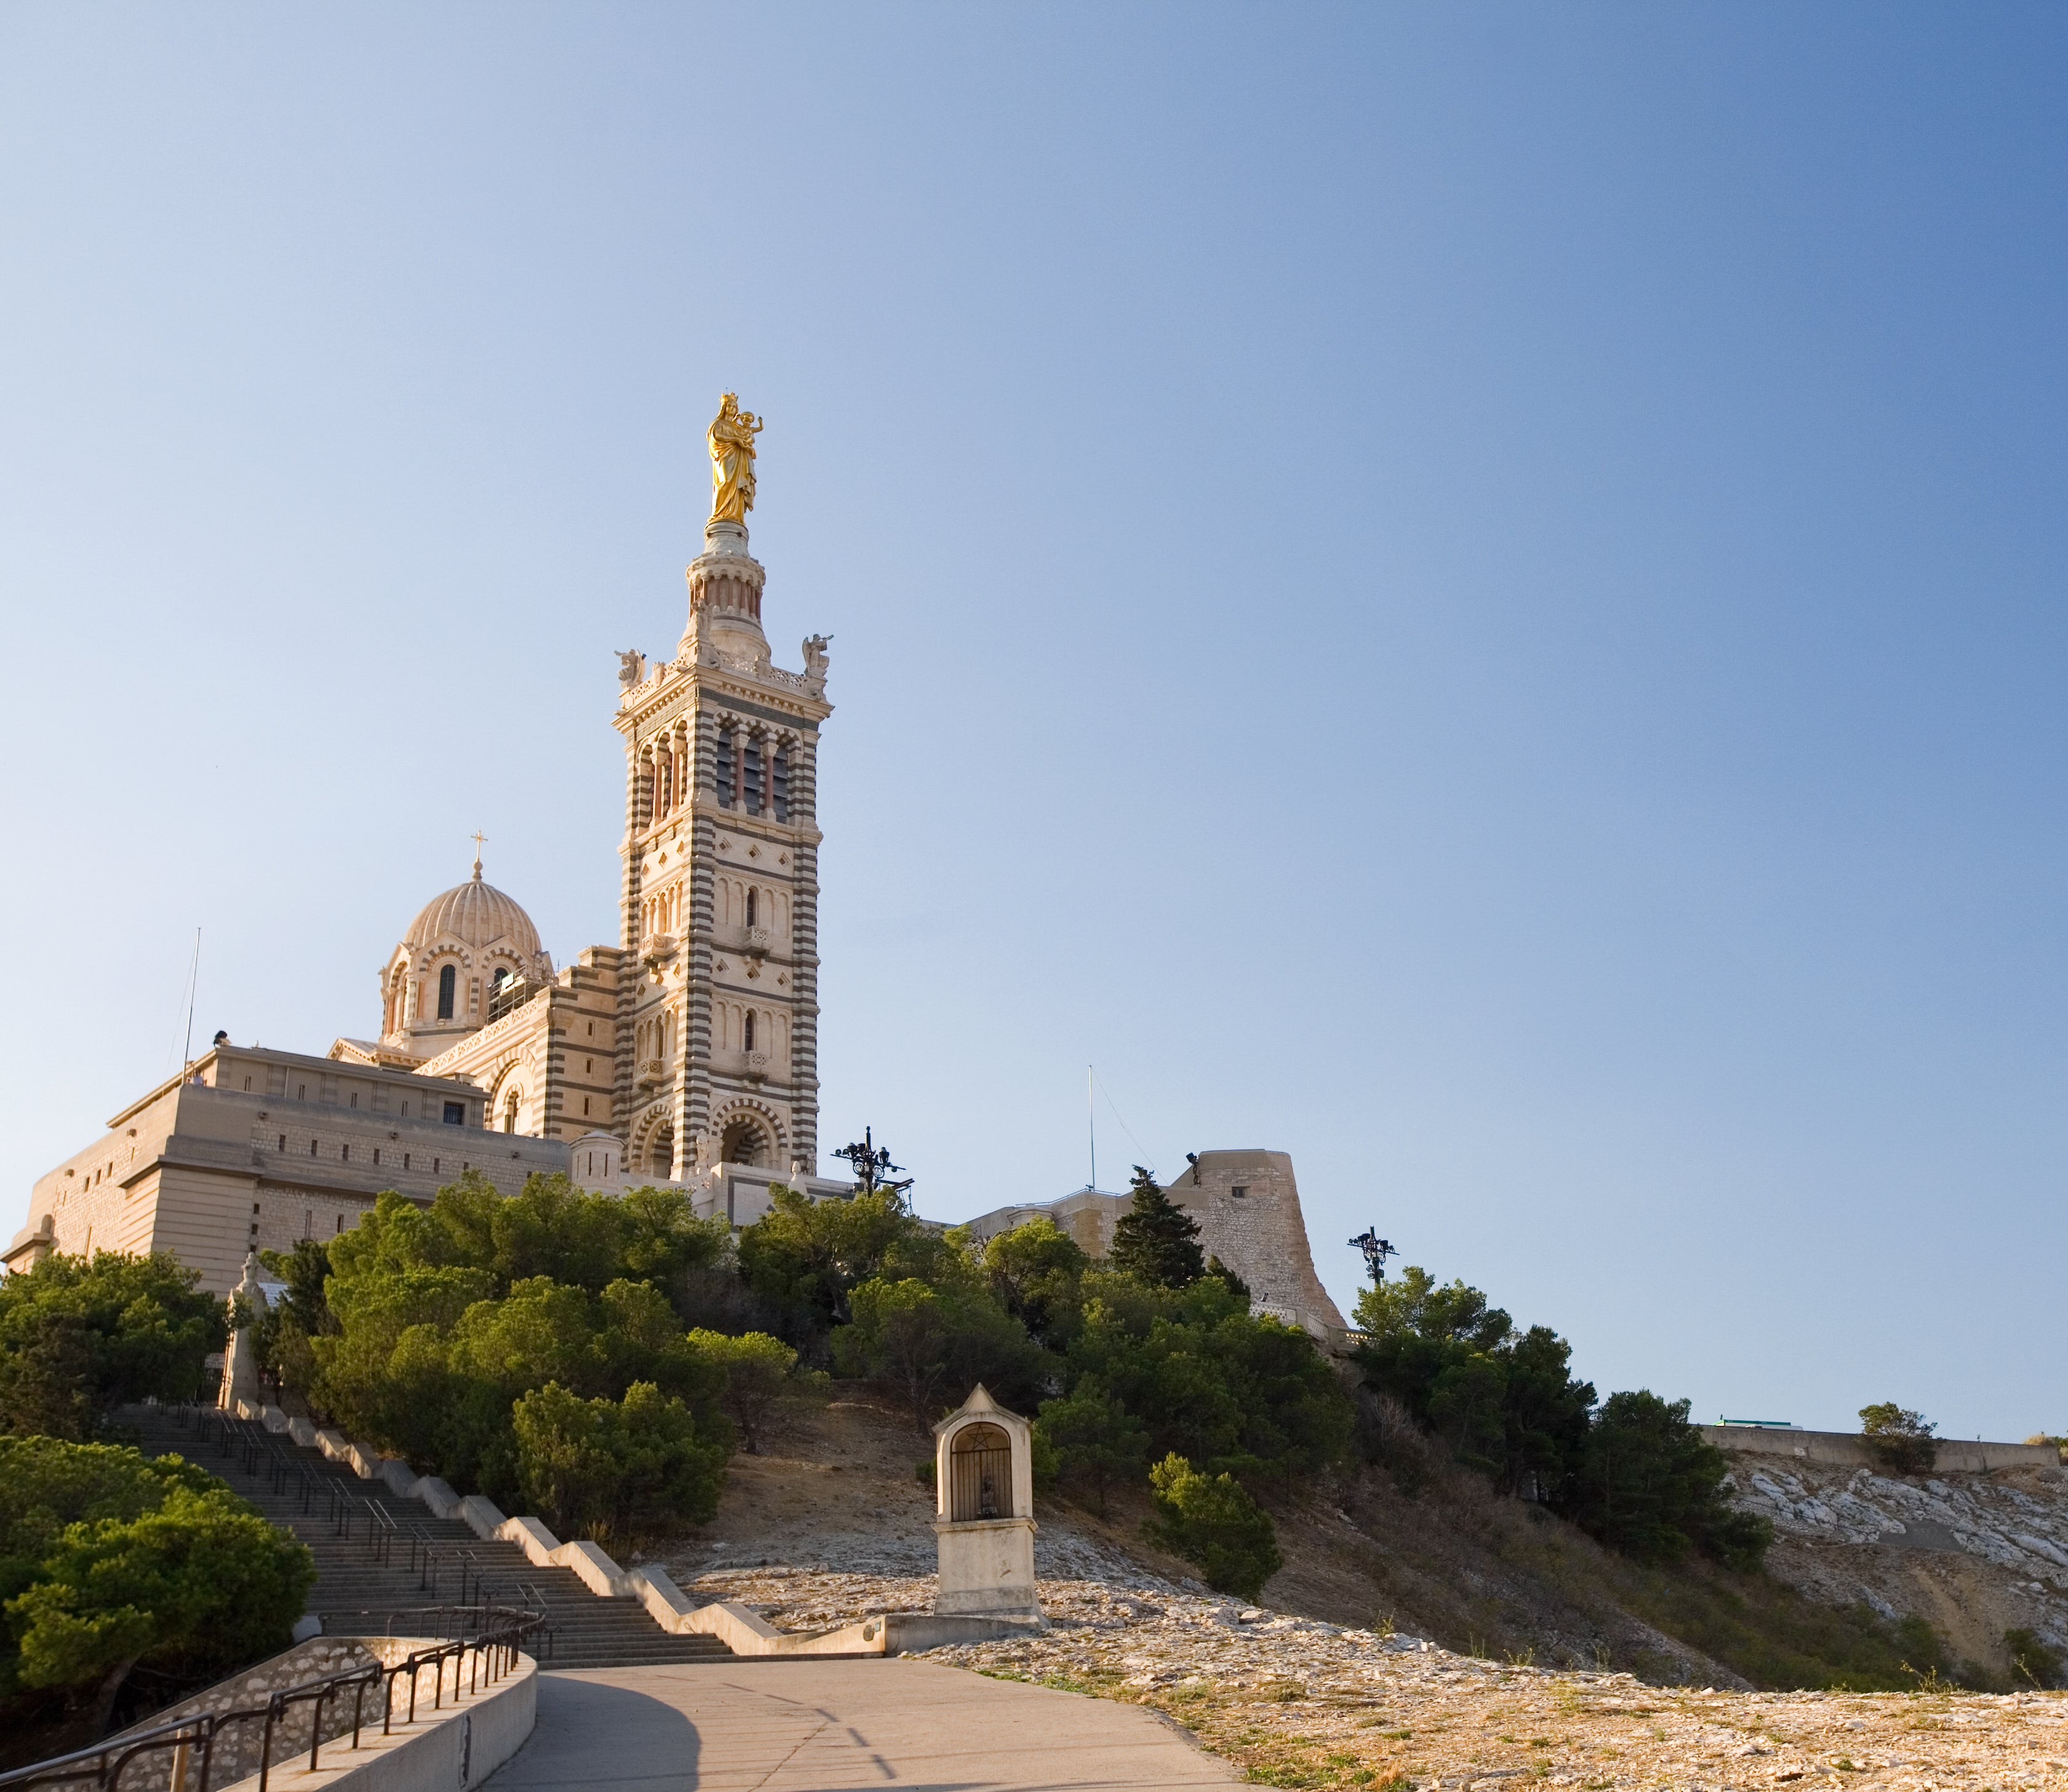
{"x":686,"y":1052}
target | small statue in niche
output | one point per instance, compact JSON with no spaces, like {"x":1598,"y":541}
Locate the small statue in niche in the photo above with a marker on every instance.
{"x":816,"y":657}
{"x":631,"y":666}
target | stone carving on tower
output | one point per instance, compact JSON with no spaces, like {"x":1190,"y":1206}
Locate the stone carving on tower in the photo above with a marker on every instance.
{"x":718,"y":1058}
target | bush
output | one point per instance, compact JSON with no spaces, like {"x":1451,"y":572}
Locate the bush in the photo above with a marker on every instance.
{"x":757,"y":1368}
{"x":1898,"y":1439}
{"x":109,"y":1559}
{"x":606,"y":1468}
{"x":1212,"y":1521}
{"x":79,"y":1338}
{"x":2032,"y":1659}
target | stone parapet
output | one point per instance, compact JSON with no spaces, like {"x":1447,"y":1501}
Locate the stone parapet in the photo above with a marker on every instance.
{"x":1848,"y":1449}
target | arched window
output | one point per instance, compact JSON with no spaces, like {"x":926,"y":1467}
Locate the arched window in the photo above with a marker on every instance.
{"x":746,"y":1032}
{"x":495,"y":983}
{"x":448,"y":987}
{"x":509,"y":1113}
{"x":752,"y":907}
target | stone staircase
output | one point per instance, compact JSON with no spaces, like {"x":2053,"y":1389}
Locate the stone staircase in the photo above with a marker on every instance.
{"x":382,"y":1558}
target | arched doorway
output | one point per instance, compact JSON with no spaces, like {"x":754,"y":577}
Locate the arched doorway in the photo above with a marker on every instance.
{"x":660,"y":1154}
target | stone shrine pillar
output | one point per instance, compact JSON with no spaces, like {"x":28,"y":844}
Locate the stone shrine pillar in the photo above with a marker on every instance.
{"x":240,"y":1361}
{"x":984,"y":1498}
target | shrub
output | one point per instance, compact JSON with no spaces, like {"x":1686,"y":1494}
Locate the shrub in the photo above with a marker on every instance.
{"x":79,"y":1338}
{"x":109,"y":1559}
{"x":1213,"y":1523}
{"x":1898,"y":1439}
{"x":803,"y":1258}
{"x":2032,"y":1659}
{"x":928,"y":1344}
{"x":603,"y":1468}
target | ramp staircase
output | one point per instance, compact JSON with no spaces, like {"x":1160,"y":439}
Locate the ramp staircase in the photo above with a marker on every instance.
{"x":381,"y":1558}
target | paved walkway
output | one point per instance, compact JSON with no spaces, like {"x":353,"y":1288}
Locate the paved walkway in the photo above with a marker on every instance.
{"x":815,"y":1726}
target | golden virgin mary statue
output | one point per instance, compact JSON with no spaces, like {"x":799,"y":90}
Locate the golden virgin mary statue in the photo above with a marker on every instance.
{"x":731,"y":438}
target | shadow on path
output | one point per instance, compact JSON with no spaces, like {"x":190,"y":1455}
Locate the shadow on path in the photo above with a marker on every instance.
{"x":590,"y":1733}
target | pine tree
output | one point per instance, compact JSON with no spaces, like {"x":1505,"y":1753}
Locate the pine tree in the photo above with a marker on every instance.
{"x":1156,"y":1241}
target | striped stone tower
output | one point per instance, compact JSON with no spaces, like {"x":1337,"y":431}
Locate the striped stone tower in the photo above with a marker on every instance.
{"x":718,"y":1006}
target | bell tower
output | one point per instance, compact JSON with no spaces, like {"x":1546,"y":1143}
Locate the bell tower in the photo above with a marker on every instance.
{"x":718,"y":1004}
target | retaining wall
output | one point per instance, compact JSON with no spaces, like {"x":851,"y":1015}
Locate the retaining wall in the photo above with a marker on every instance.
{"x":1847,"y":1449}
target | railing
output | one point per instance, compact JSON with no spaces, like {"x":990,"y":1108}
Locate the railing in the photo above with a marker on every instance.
{"x":169,"y":1753}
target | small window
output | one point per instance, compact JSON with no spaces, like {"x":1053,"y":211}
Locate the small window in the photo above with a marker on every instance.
{"x":509,"y":1113}
{"x":455,"y":1113}
{"x":448,"y":987}
{"x":748,"y":1033}
{"x":340,"y":1222}
{"x":592,"y":1029}
{"x":355,"y":1098}
{"x":255,"y":1207}
{"x":308,"y":1222}
{"x":344,"y":1154}
{"x":283,"y":1141}
{"x":434,"y":1166}
{"x":405,"y":1109}
{"x":377,"y":1156}
{"x":247,"y":1085}
{"x":301,"y":1092}
{"x":312,"y":1148}
{"x":588,"y":1066}
{"x":1240,"y":1191}
{"x":751,"y":906}
{"x":405,"y":1160}
{"x":584,"y":1106}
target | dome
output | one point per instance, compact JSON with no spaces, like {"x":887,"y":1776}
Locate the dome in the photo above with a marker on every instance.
{"x":477,"y":914}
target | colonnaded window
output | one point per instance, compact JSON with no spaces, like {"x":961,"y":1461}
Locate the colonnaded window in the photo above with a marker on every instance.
{"x":448,"y":986}
{"x":725,"y":781}
{"x":750,"y":767}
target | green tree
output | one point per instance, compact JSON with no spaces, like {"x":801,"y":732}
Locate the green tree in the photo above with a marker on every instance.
{"x":606,"y":1468}
{"x":804,"y":1258}
{"x":757,"y":1368}
{"x":1503,"y":1401}
{"x":1236,"y":1286}
{"x":1212,"y":1521}
{"x":79,"y":1338}
{"x":109,"y":1559}
{"x":1095,"y":1441}
{"x":1036,"y":1272}
{"x":1649,"y":1488}
{"x":930,"y":1343}
{"x":300,"y":1312}
{"x":1898,"y":1439}
{"x":1156,"y":1241}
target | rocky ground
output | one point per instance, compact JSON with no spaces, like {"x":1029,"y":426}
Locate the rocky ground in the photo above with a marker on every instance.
{"x":1976,"y":1554}
{"x":1299,"y":1702}
{"x":1314,"y":1687}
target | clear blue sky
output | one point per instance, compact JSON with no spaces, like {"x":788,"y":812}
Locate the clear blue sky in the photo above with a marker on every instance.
{"x":1471,"y":593}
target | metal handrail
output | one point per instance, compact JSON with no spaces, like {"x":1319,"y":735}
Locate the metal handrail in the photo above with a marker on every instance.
{"x":494,"y":1648}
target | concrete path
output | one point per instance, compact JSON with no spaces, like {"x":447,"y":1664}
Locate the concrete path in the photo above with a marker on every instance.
{"x":817,"y":1726}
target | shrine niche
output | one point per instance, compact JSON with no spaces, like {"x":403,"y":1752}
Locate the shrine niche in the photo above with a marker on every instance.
{"x":983,"y":1523}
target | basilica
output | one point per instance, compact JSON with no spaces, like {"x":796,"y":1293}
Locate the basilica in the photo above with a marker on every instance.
{"x":686,"y":1052}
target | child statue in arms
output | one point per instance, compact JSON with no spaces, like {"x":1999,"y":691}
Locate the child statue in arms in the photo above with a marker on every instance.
{"x":731,"y":438}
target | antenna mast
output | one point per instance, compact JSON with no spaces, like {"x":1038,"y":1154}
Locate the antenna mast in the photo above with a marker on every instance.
{"x":1091,"y":1122}
{"x":193,"y":977}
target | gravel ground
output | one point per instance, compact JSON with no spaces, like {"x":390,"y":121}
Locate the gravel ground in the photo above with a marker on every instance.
{"x":1300,"y":1703}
